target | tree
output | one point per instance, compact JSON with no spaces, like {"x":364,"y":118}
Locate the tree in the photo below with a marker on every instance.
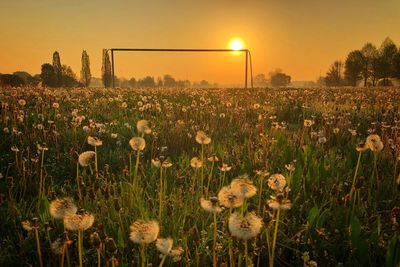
{"x":386,"y":62}
{"x":260,"y":80}
{"x":57,"y":69}
{"x":106,"y":69}
{"x":396,"y":65}
{"x":169,"y":81}
{"x":334,"y":75}
{"x":132,"y":82}
{"x":86,"y":76}
{"x":147,"y":81}
{"x":353,"y":67}
{"x":12,"y":80}
{"x":68,"y":77}
{"x":48,"y":75}
{"x":278,"y":78}
{"x":370,"y":54}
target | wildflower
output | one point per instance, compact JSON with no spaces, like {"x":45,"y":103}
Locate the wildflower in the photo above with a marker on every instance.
{"x":361,"y":147}
{"x":176,"y":254}
{"x":85,"y":158}
{"x":56,"y":105}
{"x":277,"y":182}
{"x":114,"y":136}
{"x":308,"y":123}
{"x":210,"y":205}
{"x":22,"y":102}
{"x":42,"y":147}
{"x":95,"y":240}
{"x":213,"y":158}
{"x":124,"y":105}
{"x":143,"y":127}
{"x":322,"y":140}
{"x":14,"y":149}
{"x":78,"y":221}
{"x":245,"y":227}
{"x":144,"y":232}
{"x":279,"y":202}
{"x":225,"y":167}
{"x":202,"y":138}
{"x":94,"y":141}
{"x":60,"y":208}
{"x":229,"y":198}
{"x":196,"y":163}
{"x":57,"y":247}
{"x":28,"y":225}
{"x":374,"y":143}
{"x":242,"y":185}
{"x":290,"y":167}
{"x":164,"y":245}
{"x":137,"y":143}
{"x":156,"y":163}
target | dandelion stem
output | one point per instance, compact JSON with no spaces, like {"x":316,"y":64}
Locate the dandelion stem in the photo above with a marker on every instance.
{"x":215,"y":240}
{"x":271,"y":260}
{"x":143,"y":255}
{"x":354,"y":180}
{"x":98,"y":258}
{"x":95,"y":162}
{"x":162,"y":261}
{"x":80,"y":232}
{"x":202,"y":169}
{"x":160,"y":195}
{"x":245,"y":253}
{"x":38,"y":246}
{"x":136,"y":169}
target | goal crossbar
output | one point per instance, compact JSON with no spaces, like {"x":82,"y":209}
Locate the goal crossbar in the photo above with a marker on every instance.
{"x":246,"y":51}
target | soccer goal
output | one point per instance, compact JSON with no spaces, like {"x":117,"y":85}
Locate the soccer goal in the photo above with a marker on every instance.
{"x":247,"y":62}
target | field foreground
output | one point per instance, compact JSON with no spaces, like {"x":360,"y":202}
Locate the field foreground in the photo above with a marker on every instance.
{"x":223,"y":177}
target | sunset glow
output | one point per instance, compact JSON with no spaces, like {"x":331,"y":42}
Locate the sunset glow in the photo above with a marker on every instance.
{"x":236,"y":44}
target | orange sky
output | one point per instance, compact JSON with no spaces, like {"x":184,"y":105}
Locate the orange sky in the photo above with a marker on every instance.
{"x":301,"y":37}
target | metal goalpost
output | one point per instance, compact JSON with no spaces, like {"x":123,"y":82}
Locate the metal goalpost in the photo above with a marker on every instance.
{"x":246,"y":51}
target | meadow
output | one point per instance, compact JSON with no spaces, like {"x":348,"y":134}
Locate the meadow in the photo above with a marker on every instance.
{"x":200,"y":177}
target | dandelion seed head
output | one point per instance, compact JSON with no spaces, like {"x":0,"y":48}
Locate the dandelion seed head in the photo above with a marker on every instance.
{"x":85,"y":158}
{"x":244,"y":186}
{"x":229,"y":198}
{"x":210,"y":205}
{"x":137,"y":143}
{"x":59,"y":208}
{"x":94,"y":141}
{"x":196,"y":163}
{"x":374,"y":143}
{"x":143,"y":127}
{"x":77,"y":222}
{"x":277,"y":182}
{"x":164,"y":245}
{"x":202,"y":138}
{"x":143,"y":232}
{"x":245,"y":227}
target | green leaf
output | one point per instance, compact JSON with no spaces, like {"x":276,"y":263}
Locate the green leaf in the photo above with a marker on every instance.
{"x":393,"y":252}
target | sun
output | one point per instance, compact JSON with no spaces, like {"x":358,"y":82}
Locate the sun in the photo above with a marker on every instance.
{"x":236,"y":44}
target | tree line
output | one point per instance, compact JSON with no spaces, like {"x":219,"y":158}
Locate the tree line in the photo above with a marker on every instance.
{"x":368,"y":66}
{"x":61,"y":75}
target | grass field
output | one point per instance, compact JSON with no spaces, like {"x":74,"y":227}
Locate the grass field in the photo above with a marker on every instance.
{"x":269,"y":177}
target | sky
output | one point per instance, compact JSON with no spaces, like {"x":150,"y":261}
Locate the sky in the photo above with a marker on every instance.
{"x":301,"y":37}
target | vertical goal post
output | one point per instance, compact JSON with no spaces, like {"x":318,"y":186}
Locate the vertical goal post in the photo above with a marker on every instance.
{"x":246,"y":51}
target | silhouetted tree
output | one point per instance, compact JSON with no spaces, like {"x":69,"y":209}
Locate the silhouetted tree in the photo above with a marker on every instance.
{"x":169,"y":81}
{"x":48,"y":75}
{"x":106,"y":69}
{"x":147,"y":81}
{"x":353,"y":67}
{"x":370,"y":54}
{"x":57,"y":68}
{"x":387,"y":54}
{"x":334,"y":75}
{"x":132,"y":82}
{"x":68,"y":77}
{"x":396,"y":65}
{"x":278,"y":78}
{"x":260,"y":80}
{"x":11,"y":80}
{"x":86,"y":76}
